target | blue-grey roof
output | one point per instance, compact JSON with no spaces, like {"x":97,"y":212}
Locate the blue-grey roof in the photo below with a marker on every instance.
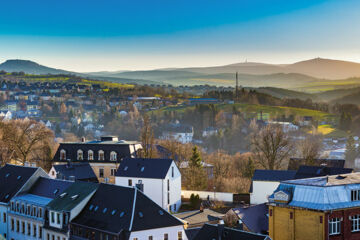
{"x":321,"y":193}
{"x":144,"y":168}
{"x":81,"y":171}
{"x":318,"y":171}
{"x":49,"y":188}
{"x":33,"y":199}
{"x":273,"y":175}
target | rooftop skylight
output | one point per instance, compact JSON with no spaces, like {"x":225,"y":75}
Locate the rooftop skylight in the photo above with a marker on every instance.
{"x":122,"y":214}
{"x":63,"y":194}
{"x":105,"y":209}
{"x":142,"y":169}
{"x":19,"y":177}
{"x":7,"y":175}
{"x":74,"y":197}
{"x":141,"y":214}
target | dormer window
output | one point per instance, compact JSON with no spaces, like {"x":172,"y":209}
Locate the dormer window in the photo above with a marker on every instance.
{"x":101,"y":155}
{"x":90,"y":155}
{"x":80,"y":156}
{"x":355,"y":195}
{"x":113,"y":156}
{"x":62,"y":154}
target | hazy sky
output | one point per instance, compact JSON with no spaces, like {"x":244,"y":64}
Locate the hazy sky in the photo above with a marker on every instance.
{"x":94,"y":35}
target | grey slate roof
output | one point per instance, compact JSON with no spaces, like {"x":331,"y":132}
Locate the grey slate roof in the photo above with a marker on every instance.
{"x":254,"y":217}
{"x":273,"y":175}
{"x":81,"y":171}
{"x":49,"y":188}
{"x":219,"y":232}
{"x":295,"y":163}
{"x":12,"y":179}
{"x":144,"y":168}
{"x":67,"y":200}
{"x":318,"y":171}
{"x":111,"y":209}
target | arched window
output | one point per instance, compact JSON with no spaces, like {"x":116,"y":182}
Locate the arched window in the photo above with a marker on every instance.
{"x":101,"y":155}
{"x":62,"y":154}
{"x":113,"y":156}
{"x":80,"y":155}
{"x":90,"y":155}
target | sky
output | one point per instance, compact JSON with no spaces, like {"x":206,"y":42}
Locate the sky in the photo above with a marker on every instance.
{"x":111,"y":35}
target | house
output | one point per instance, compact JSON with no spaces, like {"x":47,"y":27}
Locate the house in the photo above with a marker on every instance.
{"x":73,"y":171}
{"x":179,"y":132}
{"x":116,"y":212}
{"x":264,"y":183}
{"x":6,"y":115}
{"x":209,"y":131}
{"x":159,"y":179}
{"x":286,"y":126}
{"x":27,"y":213}
{"x":295,"y":163}
{"x":318,"y":171}
{"x":103,"y":155}
{"x":65,"y":207}
{"x":251,"y":219}
{"x":316,"y":208}
{"x":220,"y":232}
{"x":197,"y":218}
{"x":14,"y":179}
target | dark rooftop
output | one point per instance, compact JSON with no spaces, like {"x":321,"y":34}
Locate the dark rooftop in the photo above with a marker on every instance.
{"x":318,"y":171}
{"x":49,"y":188}
{"x":254,"y":217}
{"x":81,"y":171}
{"x":12,"y":179}
{"x":273,"y":175}
{"x":295,"y":163}
{"x":144,"y":167}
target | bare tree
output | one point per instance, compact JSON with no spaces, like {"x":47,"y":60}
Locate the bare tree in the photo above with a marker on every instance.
{"x":26,"y":140}
{"x":271,"y":147}
{"x":310,"y":148}
{"x":147,"y":138}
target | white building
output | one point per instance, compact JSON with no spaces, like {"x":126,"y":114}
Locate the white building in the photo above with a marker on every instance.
{"x":286,"y":126}
{"x":265,"y":182}
{"x":159,"y":179}
{"x":179,"y":132}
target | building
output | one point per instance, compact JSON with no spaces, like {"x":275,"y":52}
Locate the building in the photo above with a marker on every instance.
{"x":197,"y":218}
{"x":27,"y":213}
{"x":74,"y":172}
{"x":116,"y":212}
{"x":179,"y":132}
{"x":264,"y":183}
{"x":286,"y":126}
{"x":159,"y":179}
{"x":319,"y":171}
{"x":13,"y":180}
{"x":251,"y":219}
{"x":103,"y":155}
{"x":295,"y":163}
{"x":219,"y":232}
{"x":65,"y":207}
{"x":316,"y":208}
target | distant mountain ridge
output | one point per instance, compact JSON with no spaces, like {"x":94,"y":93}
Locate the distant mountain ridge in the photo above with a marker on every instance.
{"x":30,"y":67}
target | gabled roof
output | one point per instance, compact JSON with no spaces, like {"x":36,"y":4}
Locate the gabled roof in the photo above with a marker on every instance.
{"x":295,"y":163}
{"x":12,"y":179}
{"x":49,"y":188}
{"x":144,"y":168}
{"x":81,"y":171}
{"x":72,"y":196}
{"x":318,"y":171}
{"x":254,"y":217}
{"x":219,"y":232}
{"x":118,"y":209}
{"x":198,"y":217}
{"x":273,"y":175}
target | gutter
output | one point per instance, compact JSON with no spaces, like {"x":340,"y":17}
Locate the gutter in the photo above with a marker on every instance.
{"x":133,"y":209}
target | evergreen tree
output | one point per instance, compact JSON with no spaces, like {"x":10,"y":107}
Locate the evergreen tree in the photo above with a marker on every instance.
{"x":249,"y":169}
{"x":195,"y":160}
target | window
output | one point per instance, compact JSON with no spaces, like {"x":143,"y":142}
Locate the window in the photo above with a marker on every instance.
{"x":12,"y":224}
{"x":180,"y":236}
{"x":23,"y":227}
{"x":90,"y":155}
{"x":334,"y":226}
{"x":17,"y":226}
{"x":28,"y":210}
{"x":58,"y":218}
{"x":355,"y":223}
{"x":130,"y":182}
{"x":172,"y":171}
{"x":40,"y":212}
{"x":355,"y":195}
{"x":166,"y":236}
{"x":40,"y":232}
{"x":101,"y":172}
{"x":52,"y":217}
{"x":113,"y":156}
{"x":4,"y":217}
{"x":168,"y":185}
{"x":34,"y":211}
{"x":62,"y":154}
{"x":101,"y":155}
{"x":113,"y":171}
{"x":150,"y":237}
{"x":28,"y":229}
{"x":34,"y":230}
{"x":168,"y":198}
{"x":80,"y":155}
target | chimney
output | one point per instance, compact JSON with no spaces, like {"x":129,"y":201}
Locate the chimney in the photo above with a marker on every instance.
{"x":221,"y":226}
{"x":83,"y":139}
{"x":201,"y":207}
{"x":27,"y":164}
{"x":72,"y":178}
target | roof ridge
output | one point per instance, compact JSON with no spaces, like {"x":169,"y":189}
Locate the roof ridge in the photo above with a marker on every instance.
{"x":133,"y":209}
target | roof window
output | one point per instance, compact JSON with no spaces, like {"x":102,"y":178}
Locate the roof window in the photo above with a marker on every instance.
{"x":56,"y":191}
{"x":141,"y":214}
{"x":113,"y":212}
{"x":63,"y":194}
{"x":161,"y":212}
{"x":96,"y":208}
{"x":122,"y":214}
{"x":91,"y":207}
{"x":125,"y":168}
{"x":105,"y":209}
{"x":74,"y":197}
{"x":142,"y":169}
{"x":18,"y":177}
{"x":7,"y":175}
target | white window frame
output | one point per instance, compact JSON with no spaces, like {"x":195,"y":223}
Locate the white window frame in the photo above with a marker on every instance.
{"x":113,"y":156}
{"x":90,"y":155}
{"x":355,"y":223}
{"x":101,"y":153}
{"x":80,"y":153}
{"x":62,"y":154}
{"x":334,"y":226}
{"x":355,"y":195}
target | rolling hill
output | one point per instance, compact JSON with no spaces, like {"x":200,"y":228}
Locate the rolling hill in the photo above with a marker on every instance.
{"x":30,"y":67}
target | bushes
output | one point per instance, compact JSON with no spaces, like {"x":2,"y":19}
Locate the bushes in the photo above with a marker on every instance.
{"x":195,"y":201}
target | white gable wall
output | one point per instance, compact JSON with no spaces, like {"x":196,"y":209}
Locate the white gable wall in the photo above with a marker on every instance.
{"x":262,"y":190}
{"x":159,"y":233}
